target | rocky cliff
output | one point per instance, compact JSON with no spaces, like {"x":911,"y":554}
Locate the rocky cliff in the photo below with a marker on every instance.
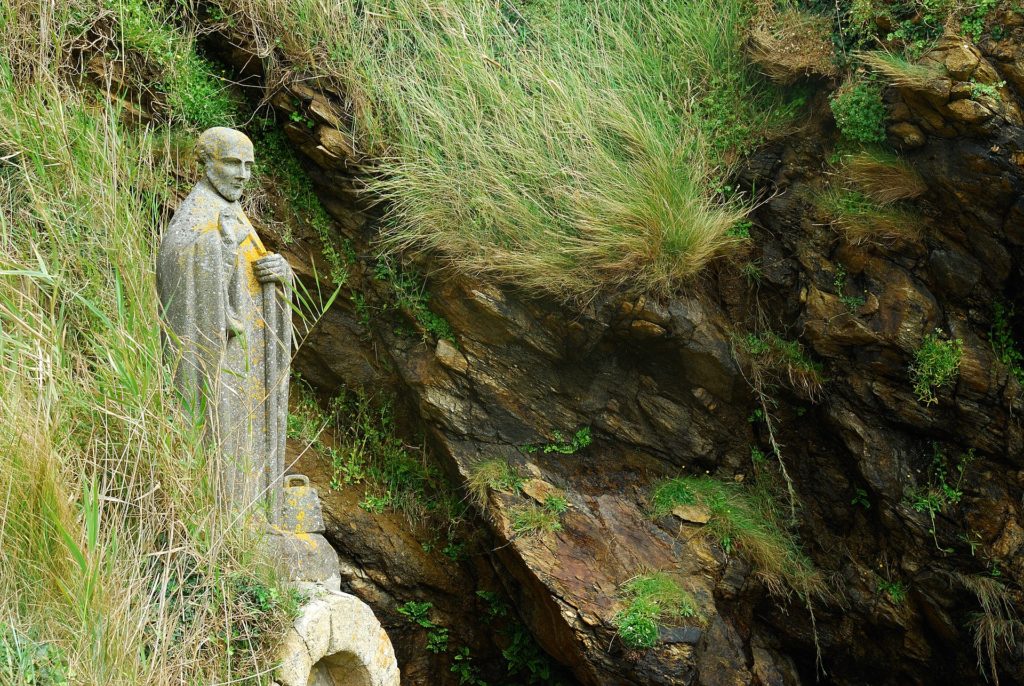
{"x":787,"y":364}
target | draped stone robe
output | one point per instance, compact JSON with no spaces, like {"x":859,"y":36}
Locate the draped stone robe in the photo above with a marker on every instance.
{"x":228,"y":338}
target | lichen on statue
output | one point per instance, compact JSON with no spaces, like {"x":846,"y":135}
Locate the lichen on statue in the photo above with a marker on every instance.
{"x":224,"y":304}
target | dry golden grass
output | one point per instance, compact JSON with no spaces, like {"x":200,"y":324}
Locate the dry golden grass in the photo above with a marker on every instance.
{"x":863,"y":221}
{"x":883,"y":177}
{"x":791,"y":44}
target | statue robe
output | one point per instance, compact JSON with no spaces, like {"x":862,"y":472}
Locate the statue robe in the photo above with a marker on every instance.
{"x":228,"y":339}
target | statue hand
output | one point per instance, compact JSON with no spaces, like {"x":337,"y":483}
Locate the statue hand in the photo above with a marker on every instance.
{"x":232,"y":229}
{"x":274,"y":268}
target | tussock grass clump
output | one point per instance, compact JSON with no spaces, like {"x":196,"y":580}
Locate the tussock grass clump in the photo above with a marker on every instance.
{"x":565,"y":147}
{"x":531,"y":519}
{"x":746,"y":520}
{"x":997,"y":627}
{"x":901,"y":72}
{"x":488,"y":475}
{"x":777,"y":358}
{"x":882,"y":176}
{"x":862,"y":220}
{"x":790,"y":43}
{"x":654,"y":600}
{"x":119,"y":566}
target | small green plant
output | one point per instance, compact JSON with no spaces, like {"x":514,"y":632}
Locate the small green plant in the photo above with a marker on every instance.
{"x":303,"y":203}
{"x":987,"y":90}
{"x":653,"y":600}
{"x":852,"y":302}
{"x":941,"y":492}
{"x":936,"y":364}
{"x":859,"y":111}
{"x":531,"y":518}
{"x":565,"y":446}
{"x":463,"y":667}
{"x":896,"y":591}
{"x":741,"y":229}
{"x":419,"y":614}
{"x":1004,"y":345}
{"x":26,"y":662}
{"x":745,"y":519}
{"x":493,"y":475}
{"x":860,"y":497}
{"x":973,"y":23}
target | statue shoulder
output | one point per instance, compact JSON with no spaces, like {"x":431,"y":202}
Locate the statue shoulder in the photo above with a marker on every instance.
{"x":197,"y":215}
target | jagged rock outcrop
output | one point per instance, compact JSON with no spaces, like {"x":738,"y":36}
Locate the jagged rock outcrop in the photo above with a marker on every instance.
{"x":664,"y":392}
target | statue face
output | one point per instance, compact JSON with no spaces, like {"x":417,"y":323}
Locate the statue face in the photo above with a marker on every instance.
{"x":230,"y":166}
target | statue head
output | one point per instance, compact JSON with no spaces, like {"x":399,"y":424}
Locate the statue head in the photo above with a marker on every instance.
{"x":228,"y":157}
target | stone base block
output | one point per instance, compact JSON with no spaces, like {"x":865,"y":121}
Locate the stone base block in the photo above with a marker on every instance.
{"x":307,"y":558}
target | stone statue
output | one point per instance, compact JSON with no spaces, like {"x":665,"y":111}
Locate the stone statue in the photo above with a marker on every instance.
{"x":225,"y":305}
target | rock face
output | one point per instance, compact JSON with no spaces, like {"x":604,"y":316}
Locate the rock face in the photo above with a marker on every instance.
{"x":665,"y":390}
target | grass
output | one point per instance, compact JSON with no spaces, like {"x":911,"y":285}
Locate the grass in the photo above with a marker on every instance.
{"x":1004,"y":344}
{"x":864,"y":221}
{"x":653,"y":600}
{"x":746,"y":520}
{"x":358,"y":434}
{"x":936,"y":365}
{"x":492,"y":475}
{"x":564,"y":147}
{"x":901,"y":72}
{"x":997,"y":627}
{"x":119,"y":564}
{"x":779,"y":358}
{"x":531,"y":519}
{"x":881,"y":176}
{"x":789,"y":44}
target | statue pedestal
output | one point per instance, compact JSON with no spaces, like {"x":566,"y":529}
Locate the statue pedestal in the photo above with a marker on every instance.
{"x":307,"y":557}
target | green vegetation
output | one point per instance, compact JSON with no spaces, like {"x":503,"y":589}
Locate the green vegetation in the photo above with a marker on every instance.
{"x":896,"y":591}
{"x":524,"y":659}
{"x":1004,"y":345}
{"x":990,"y":91}
{"x":359,"y":437}
{"x":277,"y":162}
{"x":653,"y":600}
{"x":860,"y":497}
{"x":531,"y":519}
{"x":863,"y":220}
{"x":906,"y":28}
{"x":119,"y":565}
{"x":495,"y":475}
{"x":411,"y":295}
{"x":859,"y":111}
{"x":191,"y":87}
{"x":940,"y":494}
{"x":562,"y":445}
{"x":852,"y":302}
{"x":745,"y":520}
{"x":419,"y":614}
{"x":936,"y":364}
{"x":565,"y":147}
{"x":997,"y":627}
{"x":778,"y":358}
